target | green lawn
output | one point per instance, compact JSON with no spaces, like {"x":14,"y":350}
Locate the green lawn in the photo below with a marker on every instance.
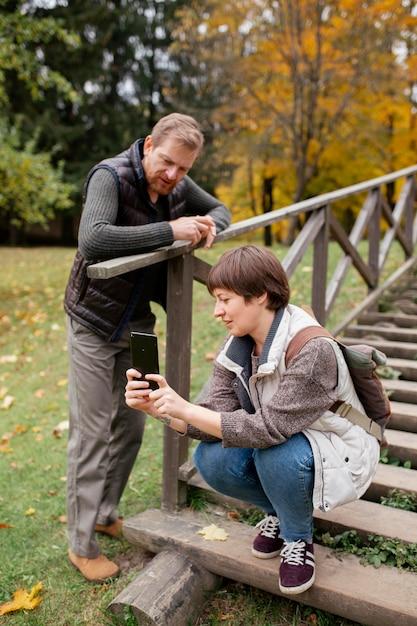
{"x":33,"y":397}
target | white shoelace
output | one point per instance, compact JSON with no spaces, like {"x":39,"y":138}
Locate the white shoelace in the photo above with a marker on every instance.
{"x":269,"y":526}
{"x":293,"y":553}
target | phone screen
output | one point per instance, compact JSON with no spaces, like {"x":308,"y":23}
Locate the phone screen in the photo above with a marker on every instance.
{"x":144,"y":352}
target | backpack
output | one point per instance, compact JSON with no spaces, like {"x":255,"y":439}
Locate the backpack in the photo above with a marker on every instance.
{"x":362,"y":361}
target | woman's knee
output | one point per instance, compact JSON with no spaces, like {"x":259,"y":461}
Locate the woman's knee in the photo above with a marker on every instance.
{"x":287,"y":458}
{"x":220,"y":466}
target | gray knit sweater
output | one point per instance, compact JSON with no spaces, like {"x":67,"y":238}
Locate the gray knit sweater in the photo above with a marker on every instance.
{"x":306,"y":391}
{"x":100,"y":238}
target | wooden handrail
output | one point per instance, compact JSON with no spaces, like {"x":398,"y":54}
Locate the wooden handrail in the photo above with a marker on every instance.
{"x":121,"y":265}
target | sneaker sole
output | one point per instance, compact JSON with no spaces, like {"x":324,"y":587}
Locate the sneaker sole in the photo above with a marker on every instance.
{"x":292,"y":591}
{"x":265,"y":555}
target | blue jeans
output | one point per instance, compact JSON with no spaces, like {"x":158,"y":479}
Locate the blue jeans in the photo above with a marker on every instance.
{"x":278,"y":480}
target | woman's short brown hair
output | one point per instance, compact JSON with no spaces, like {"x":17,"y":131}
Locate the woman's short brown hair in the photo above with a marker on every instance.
{"x":184,"y":128}
{"x":251,"y":271}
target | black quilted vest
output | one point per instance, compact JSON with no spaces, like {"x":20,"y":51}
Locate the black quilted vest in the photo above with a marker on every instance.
{"x":106,"y":306}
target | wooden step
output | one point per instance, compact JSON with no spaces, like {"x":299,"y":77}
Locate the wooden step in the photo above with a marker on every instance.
{"x":377,"y":597}
{"x":402,"y":445}
{"x":392,"y":334}
{"x":389,"y":477}
{"x":364,"y":516}
{"x":402,"y":320}
{"x":407,"y":367}
{"x":401,"y":390}
{"x":404,"y":416}
{"x":396,"y":349}
{"x":369,"y":518}
{"x":405,"y":305}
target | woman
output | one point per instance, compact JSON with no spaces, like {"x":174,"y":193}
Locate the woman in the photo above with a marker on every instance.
{"x":267,"y":435}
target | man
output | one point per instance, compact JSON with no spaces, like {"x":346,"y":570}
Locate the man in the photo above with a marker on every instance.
{"x":137,"y":201}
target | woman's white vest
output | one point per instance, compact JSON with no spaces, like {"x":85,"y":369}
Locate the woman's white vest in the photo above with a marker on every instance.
{"x":345,"y":456}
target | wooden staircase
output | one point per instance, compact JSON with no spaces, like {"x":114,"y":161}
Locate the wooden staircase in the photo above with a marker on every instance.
{"x":377,"y":597}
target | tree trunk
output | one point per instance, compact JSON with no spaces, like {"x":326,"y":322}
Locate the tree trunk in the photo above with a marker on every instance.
{"x":267,"y":206}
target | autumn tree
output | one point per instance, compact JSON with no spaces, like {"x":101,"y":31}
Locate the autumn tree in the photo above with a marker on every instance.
{"x":304,"y":77}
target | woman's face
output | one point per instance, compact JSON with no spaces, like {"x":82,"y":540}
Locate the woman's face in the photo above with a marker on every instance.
{"x":241,"y":317}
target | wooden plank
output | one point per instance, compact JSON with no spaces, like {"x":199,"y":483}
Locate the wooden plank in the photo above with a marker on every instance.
{"x":397,"y":213}
{"x":399,"y":319}
{"x":342,"y":586}
{"x":178,"y":366}
{"x":389,"y":477}
{"x":400,"y":349}
{"x":121,"y":265}
{"x":320,"y":262}
{"x":400,"y":235}
{"x":402,"y":445}
{"x":375,"y":295}
{"x":349,"y":250}
{"x":407,"y":367}
{"x":393,"y":334}
{"x":301,"y":243}
{"x":366,"y":213}
{"x":374,"y":237}
{"x":201,"y":270}
{"x":401,"y":390}
{"x":369,"y":518}
{"x":404,"y":416}
{"x":362,"y":515}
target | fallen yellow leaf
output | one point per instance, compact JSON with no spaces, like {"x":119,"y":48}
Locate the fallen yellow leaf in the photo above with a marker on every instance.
{"x":60,"y":428}
{"x":62,"y":382}
{"x":8,"y":358}
{"x":23,"y":599}
{"x":30,"y":511}
{"x":39,"y":393}
{"x":5,"y":526}
{"x":19,"y":429}
{"x":213,"y":533}
{"x":7,"y":402}
{"x":36,"y":429}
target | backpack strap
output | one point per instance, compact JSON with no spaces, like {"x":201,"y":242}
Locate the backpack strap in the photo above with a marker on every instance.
{"x":343,"y":409}
{"x":300,"y":339}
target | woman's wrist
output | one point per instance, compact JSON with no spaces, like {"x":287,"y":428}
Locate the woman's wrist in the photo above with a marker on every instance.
{"x":173,"y":422}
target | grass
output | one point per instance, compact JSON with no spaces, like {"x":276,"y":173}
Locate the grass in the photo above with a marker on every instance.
{"x":33,"y":392}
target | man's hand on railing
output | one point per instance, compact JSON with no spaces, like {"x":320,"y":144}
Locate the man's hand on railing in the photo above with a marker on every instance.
{"x":194,"y":229}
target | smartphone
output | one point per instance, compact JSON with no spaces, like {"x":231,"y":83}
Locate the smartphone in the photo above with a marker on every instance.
{"x":144,"y":353}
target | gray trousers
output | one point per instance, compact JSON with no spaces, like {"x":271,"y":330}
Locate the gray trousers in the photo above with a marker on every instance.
{"x":104,"y":436}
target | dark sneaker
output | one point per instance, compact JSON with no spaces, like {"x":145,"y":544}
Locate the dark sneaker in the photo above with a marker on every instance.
{"x":267,"y":543}
{"x":296,"y":572}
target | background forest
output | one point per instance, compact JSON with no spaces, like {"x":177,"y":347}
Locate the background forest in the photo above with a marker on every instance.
{"x":296,"y":97}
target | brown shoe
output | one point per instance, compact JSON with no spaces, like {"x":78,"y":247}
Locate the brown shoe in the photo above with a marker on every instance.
{"x":113,"y":530}
{"x":95,"y":570}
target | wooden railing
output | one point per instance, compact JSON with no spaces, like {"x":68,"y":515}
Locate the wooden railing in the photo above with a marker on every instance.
{"x":320,"y":224}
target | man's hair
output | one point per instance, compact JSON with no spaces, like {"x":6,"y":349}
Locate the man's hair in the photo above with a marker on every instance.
{"x":184,"y":128}
{"x":251,"y":271}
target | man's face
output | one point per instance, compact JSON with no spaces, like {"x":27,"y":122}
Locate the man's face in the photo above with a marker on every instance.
{"x":166,"y":164}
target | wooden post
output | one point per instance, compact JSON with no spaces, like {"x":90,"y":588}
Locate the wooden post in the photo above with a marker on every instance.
{"x":178,"y":366}
{"x":409,"y":216}
{"x":374,"y":235}
{"x":319,"y":281}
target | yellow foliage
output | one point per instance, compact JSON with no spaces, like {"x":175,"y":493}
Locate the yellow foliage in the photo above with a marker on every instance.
{"x":23,"y":599}
{"x":213,"y":533}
